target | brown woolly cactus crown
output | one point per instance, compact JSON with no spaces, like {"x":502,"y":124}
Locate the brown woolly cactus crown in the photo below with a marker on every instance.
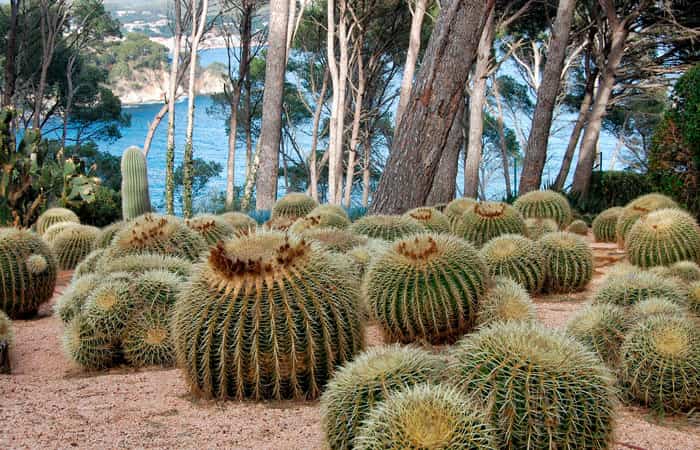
{"x":431,"y":218}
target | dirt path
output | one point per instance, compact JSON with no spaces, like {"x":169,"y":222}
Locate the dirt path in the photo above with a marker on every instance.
{"x":49,"y":403}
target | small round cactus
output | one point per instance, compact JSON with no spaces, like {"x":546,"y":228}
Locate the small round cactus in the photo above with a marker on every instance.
{"x":536,"y":228}
{"x":568,"y":262}
{"x":87,"y":346}
{"x":389,"y":228}
{"x":432,"y":219}
{"x":71,"y":301}
{"x":163,"y":235}
{"x":319,"y":220}
{"x":29,"y":270}
{"x":545,"y":205}
{"x":53,"y":216}
{"x":539,"y":386}
{"x":631,"y":287}
{"x":137,"y":264}
{"x":146,"y":339}
{"x":239,"y":221}
{"x":656,"y":306}
{"x":359,"y":385}
{"x":335,"y":240}
{"x":89,"y":264}
{"x":505,"y":301}
{"x":104,"y":239}
{"x":55,"y":229}
{"x":487,"y":220}
{"x":637,"y":208}
{"x":280,"y":223}
{"x":109,"y":307}
{"x":578,"y":227}
{"x":156,"y":288}
{"x":602,"y":329}
{"x":456,"y":208}
{"x":363,"y":255}
{"x":663,"y":237}
{"x":294,"y":206}
{"x":685,"y":271}
{"x":267,"y":316}
{"x":73,"y":244}
{"x":329,"y":208}
{"x":212,"y":228}
{"x":516,"y":257}
{"x":426,"y":287}
{"x":659,"y":363}
{"x":426,"y":417}
{"x":605,"y":223}
{"x":694,"y":298}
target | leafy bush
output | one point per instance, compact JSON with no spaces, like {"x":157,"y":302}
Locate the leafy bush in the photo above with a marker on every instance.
{"x":105,"y":209}
{"x":611,"y":188}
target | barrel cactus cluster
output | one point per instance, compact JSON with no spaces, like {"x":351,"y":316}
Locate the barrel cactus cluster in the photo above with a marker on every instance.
{"x":631,"y":287}
{"x":487,"y":220}
{"x":320,"y":220}
{"x":336,"y":240}
{"x":535,"y":228}
{"x":605,"y":224}
{"x":545,"y":205}
{"x":456,"y":208}
{"x":518,"y":258}
{"x":686,"y":272}
{"x":602,"y":329}
{"x":663,"y":237}
{"x":568,"y":261}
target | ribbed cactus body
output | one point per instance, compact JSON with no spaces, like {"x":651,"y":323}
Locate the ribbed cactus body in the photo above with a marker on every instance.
{"x":279,"y":223}
{"x":335,"y":240}
{"x":71,"y":301}
{"x":360,"y":385}
{"x":656,"y":306}
{"x":602,"y":329}
{"x":135,"y":198}
{"x":662,"y":238}
{"x":456,"y":208}
{"x":87,"y":346}
{"x":156,"y":289}
{"x":568,"y":262}
{"x":545,"y":205}
{"x":694,"y":298}
{"x":239,"y":221}
{"x":389,"y":228}
{"x":487,"y":220}
{"x":505,"y":301}
{"x":432,"y":219}
{"x":73,"y":244}
{"x":685,"y":271}
{"x":293,"y":205}
{"x":109,"y":307}
{"x":329,"y":208}
{"x":426,"y":287}
{"x":104,"y":239}
{"x":162,"y":235}
{"x":139,"y":263}
{"x":268,"y":316}
{"x":363,"y":255}
{"x":146,"y":339}
{"x":90,"y":264}
{"x":630,"y":287}
{"x":518,"y":258}
{"x":319,"y":220}
{"x":605,"y":224}
{"x":539,"y":386}
{"x":212,"y":228}
{"x":536,"y":228}
{"x":427,"y":417}
{"x":29,"y":271}
{"x":56,"y":229}
{"x":659,"y":363}
{"x":53,"y":216}
{"x":636,"y":209}
{"x":578,"y":227}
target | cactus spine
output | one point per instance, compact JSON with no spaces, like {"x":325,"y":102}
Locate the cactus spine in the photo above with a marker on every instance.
{"x":389,"y":228}
{"x":602,"y":329}
{"x":212,"y":228}
{"x":633,"y":286}
{"x":636,"y":209}
{"x":432,"y":219}
{"x":135,"y":198}
{"x":505,"y":301}
{"x":72,"y":244}
{"x":293,"y":206}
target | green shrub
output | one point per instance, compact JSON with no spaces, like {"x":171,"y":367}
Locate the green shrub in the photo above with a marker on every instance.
{"x":602,"y":329}
{"x":662,"y":238}
{"x":605,"y":223}
{"x":612,"y":188}
{"x":505,"y":301}
{"x":389,"y":228}
{"x":487,"y":220}
{"x":545,"y":205}
{"x":568,"y":262}
{"x":516,"y":257}
{"x":104,"y":209}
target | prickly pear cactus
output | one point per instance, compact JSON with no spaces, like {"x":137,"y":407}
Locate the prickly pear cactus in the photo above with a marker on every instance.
{"x":389,"y":228}
{"x":267,"y":316}
{"x":29,"y":270}
{"x":568,"y":261}
{"x":135,"y":198}
{"x":432,"y":219}
{"x":73,"y":244}
{"x":539,"y":386}
{"x":426,"y":287}
{"x":294,"y":206}
{"x":360,"y":385}
{"x":605,"y":224}
{"x":505,"y":301}
{"x":53,"y":216}
{"x":516,"y":257}
{"x":663,"y":237}
{"x":487,"y":220}
{"x":636,"y":209}
{"x":212,"y":228}
{"x":545,"y":205}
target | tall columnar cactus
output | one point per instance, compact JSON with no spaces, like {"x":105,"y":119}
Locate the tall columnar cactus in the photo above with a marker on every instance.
{"x":139,"y":263}
{"x":656,"y":306}
{"x":87,"y":346}
{"x":456,"y":208}
{"x":487,"y":220}
{"x":545,"y":205}
{"x":135,"y":198}
{"x":536,"y":228}
{"x":162,"y":235}
{"x":71,"y":301}
{"x":631,"y":287}
{"x":360,"y":385}
{"x":212,"y":228}
{"x":568,"y":262}
{"x":389,"y":228}
{"x":104,"y":239}
{"x":267,"y":316}
{"x":6,"y":337}
{"x":239,"y":221}
{"x":293,"y":205}
{"x":146,"y":339}
{"x":605,"y":224}
{"x":53,"y":216}
{"x":663,"y":237}
{"x":73,"y":244}
{"x":578,"y":227}
{"x":432,"y":219}
{"x":426,"y":287}
{"x":685,"y":271}
{"x":602,"y":329}
{"x":335,"y":240}
{"x":319,"y":220}
{"x":636,"y":209}
{"x":539,"y":386}
{"x":516,"y":257}
{"x":505,"y":301}
{"x":426,"y":417}
{"x":29,"y":270}
{"x":659,"y":363}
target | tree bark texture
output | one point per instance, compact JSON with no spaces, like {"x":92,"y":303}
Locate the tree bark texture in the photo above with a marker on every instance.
{"x":411,"y":57}
{"x":445,"y":181}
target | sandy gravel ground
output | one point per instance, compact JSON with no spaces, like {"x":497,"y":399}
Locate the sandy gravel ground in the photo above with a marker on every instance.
{"x":50,"y":403}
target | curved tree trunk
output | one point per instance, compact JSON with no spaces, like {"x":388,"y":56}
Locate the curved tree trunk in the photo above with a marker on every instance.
{"x":536,"y":152}
{"x":411,"y":57}
{"x":445,"y":182}
{"x":435,"y":102}
{"x":153,"y":126}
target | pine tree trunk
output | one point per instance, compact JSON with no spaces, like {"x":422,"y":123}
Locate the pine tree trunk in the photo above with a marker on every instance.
{"x":411,"y":57}
{"x":271,"y":132}
{"x":313,"y":166}
{"x":502,"y":137}
{"x":366,"y":170}
{"x":435,"y":102}
{"x":172,"y":94}
{"x":445,"y":182}
{"x":536,"y":151}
